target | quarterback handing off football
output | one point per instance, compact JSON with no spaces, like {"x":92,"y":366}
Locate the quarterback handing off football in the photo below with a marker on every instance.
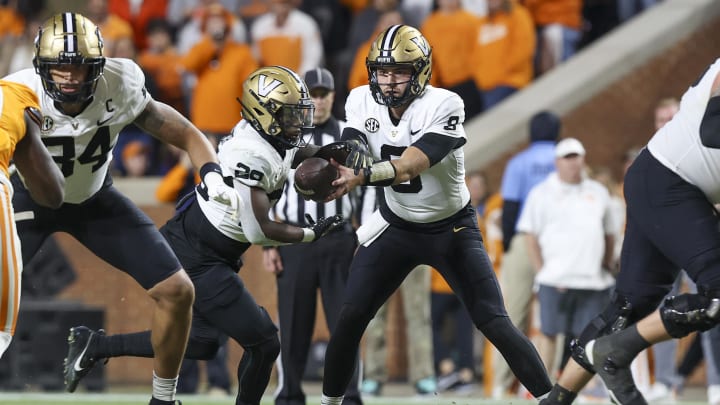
{"x":314,"y":177}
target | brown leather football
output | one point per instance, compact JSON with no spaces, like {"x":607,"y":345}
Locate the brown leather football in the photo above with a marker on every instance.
{"x":314,"y":177}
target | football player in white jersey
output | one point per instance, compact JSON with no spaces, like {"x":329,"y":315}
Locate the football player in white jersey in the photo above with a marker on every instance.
{"x":86,"y":100}
{"x":209,"y":237}
{"x":415,"y":133}
{"x":670,"y":190}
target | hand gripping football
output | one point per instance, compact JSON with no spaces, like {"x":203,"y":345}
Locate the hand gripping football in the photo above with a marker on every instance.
{"x":314,"y":177}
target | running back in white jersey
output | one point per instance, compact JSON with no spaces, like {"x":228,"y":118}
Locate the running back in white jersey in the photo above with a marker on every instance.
{"x":438,"y":192}
{"x":677,"y":145}
{"x":252,"y":162}
{"x":82,"y":145}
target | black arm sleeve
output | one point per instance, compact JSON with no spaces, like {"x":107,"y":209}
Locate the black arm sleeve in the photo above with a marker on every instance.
{"x":510,"y":213}
{"x":710,"y":124}
{"x":350,"y":134}
{"x":437,"y":146}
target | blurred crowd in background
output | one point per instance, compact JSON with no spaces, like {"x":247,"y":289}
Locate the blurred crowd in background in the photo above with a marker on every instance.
{"x":196,"y":53}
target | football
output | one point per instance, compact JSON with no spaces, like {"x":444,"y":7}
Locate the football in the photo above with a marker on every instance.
{"x":314,"y":177}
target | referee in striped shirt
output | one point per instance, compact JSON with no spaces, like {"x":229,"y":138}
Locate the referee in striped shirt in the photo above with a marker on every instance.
{"x":303,"y":269}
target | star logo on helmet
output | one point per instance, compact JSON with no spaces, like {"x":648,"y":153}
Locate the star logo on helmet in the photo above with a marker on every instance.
{"x":372,"y":125}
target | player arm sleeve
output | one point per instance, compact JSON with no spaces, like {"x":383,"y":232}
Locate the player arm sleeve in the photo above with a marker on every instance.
{"x":710,"y":124}
{"x":352,"y":134}
{"x":510,"y":212}
{"x":437,"y":146}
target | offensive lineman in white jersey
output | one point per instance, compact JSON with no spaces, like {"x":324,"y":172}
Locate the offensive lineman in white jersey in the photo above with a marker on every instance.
{"x":416,"y":134}
{"x":86,"y":100}
{"x":670,"y":190}
{"x":209,"y":237}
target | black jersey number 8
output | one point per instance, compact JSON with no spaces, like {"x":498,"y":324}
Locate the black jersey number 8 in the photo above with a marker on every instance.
{"x":96,"y":151}
{"x":415,"y":185}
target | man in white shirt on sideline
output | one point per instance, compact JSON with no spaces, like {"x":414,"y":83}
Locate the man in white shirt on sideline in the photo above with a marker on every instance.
{"x":569,"y":227}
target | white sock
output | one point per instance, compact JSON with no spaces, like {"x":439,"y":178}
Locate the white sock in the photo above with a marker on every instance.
{"x":5,"y":339}
{"x":164,"y":388}
{"x":326,"y":400}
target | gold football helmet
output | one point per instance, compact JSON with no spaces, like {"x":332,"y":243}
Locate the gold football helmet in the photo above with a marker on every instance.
{"x":69,"y":39}
{"x":277,"y":104}
{"x":400,"y":45}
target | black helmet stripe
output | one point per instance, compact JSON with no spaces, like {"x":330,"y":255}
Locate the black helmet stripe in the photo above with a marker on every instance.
{"x":387,"y":42}
{"x":70,"y":29}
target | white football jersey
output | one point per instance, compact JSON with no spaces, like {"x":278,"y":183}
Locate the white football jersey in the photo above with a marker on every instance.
{"x":438,"y":192}
{"x":82,"y":145}
{"x":253,"y":162}
{"x":677,"y":145}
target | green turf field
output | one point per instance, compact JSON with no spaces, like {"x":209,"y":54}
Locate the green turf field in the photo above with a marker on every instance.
{"x":141,"y":399}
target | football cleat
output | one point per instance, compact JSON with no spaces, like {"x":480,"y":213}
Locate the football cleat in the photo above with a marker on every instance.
{"x":618,"y":379}
{"x":371,"y":387}
{"x":426,"y":386}
{"x":78,"y":363}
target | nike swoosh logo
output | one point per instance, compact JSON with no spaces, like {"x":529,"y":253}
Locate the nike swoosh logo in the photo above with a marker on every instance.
{"x":101,"y":123}
{"x":76,"y":366}
{"x":459,"y":229}
{"x":414,"y":132}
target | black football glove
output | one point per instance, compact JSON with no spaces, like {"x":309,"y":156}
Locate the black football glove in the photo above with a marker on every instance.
{"x":323,"y":226}
{"x":336,"y":150}
{"x":359,"y":157}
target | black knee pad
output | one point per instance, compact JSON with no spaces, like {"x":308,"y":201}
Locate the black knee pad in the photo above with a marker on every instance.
{"x":686,"y":313}
{"x":613,"y":319}
{"x":269,"y":349}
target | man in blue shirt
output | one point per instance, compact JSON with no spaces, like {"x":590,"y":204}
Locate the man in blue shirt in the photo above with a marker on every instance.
{"x":524,"y":170}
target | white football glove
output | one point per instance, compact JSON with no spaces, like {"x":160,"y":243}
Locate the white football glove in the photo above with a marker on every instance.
{"x":218,"y":191}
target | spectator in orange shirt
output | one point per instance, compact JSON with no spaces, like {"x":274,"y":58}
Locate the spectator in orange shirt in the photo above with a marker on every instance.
{"x":138,"y":14}
{"x":287,"y":37}
{"x":358,"y":72}
{"x":17,"y":51}
{"x":503,"y":55}
{"x":136,"y":159}
{"x":114,"y":29}
{"x":558,"y":24}
{"x":160,"y":60}
{"x":188,"y":22}
{"x":11,"y":21}
{"x":221,"y":65}
{"x":448,"y":29}
{"x":178,"y":181}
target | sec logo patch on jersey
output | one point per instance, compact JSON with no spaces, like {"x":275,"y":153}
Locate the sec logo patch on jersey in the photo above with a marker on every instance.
{"x":47,"y":124}
{"x":372,"y":125}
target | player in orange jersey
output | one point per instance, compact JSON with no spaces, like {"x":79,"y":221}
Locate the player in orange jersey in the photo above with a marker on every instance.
{"x":20,"y":121}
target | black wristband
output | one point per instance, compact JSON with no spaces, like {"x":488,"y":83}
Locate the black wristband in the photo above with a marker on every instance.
{"x":210,"y":167}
